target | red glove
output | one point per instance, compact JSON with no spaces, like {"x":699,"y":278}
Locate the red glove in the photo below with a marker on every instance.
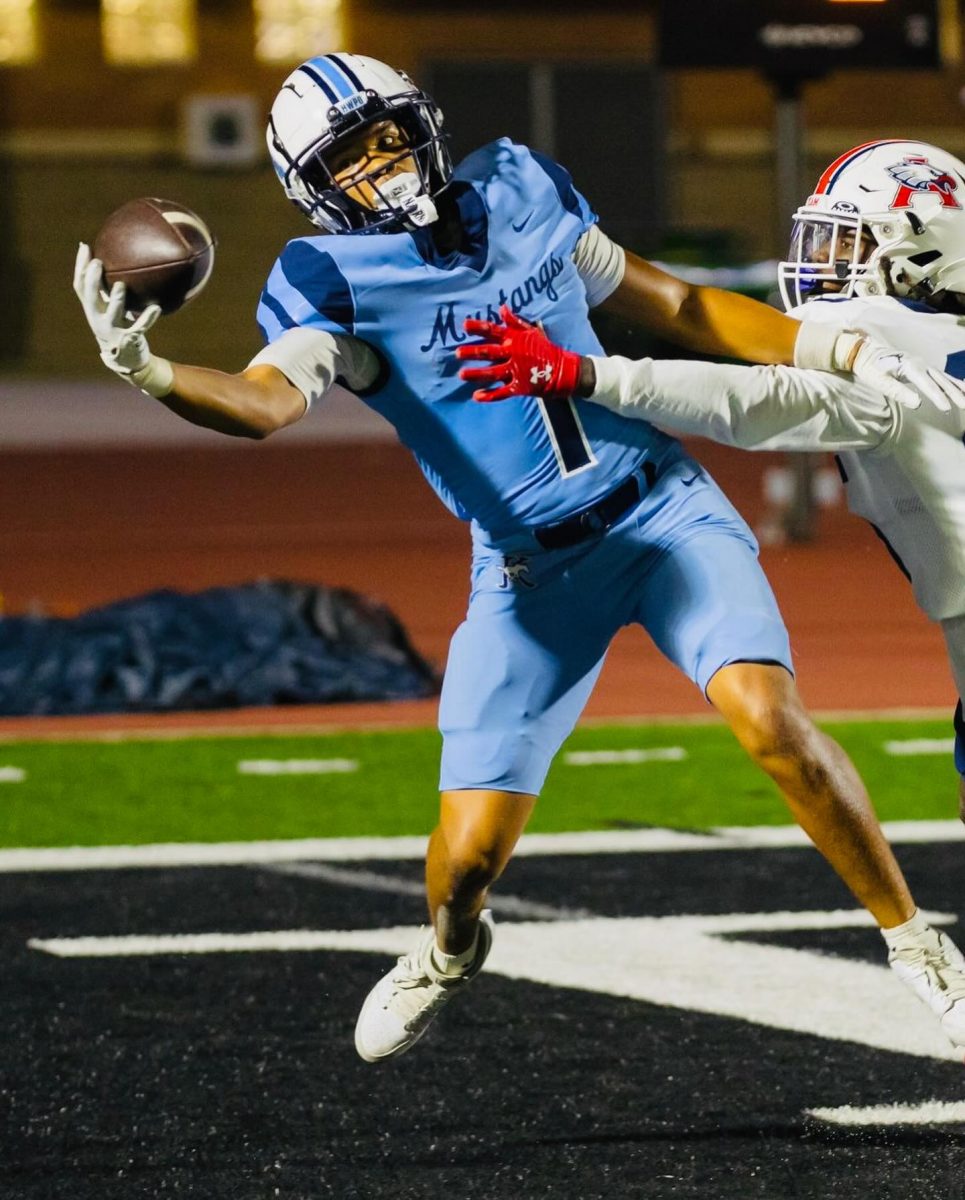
{"x":523,"y":360}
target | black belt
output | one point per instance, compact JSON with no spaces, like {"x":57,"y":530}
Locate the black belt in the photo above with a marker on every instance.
{"x":595,"y":518}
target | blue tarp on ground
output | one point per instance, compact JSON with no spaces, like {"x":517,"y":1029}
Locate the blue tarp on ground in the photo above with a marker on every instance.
{"x":264,"y":643}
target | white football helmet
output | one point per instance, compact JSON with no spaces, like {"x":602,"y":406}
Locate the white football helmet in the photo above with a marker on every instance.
{"x":886,"y":219}
{"x":333,"y":96}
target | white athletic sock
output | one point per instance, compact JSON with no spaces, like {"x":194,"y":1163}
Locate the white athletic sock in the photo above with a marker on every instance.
{"x":454,"y":964}
{"x":914,"y":933}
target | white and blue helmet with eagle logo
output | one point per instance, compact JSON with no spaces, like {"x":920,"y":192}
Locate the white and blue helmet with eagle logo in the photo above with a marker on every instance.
{"x":332,"y":97}
{"x":887,"y":218}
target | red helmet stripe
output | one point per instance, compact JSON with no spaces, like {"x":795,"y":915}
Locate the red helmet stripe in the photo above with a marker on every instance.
{"x":829,"y":177}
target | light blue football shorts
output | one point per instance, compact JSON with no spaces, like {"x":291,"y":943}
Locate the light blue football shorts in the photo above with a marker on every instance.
{"x":681,"y":562}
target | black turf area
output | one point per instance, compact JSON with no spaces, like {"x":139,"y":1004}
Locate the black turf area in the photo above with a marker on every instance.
{"x":235,"y":1076}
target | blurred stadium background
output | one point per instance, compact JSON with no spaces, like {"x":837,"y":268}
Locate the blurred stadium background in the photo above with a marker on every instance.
{"x":106,"y":494}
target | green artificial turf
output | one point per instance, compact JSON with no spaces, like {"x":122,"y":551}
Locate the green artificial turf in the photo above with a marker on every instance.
{"x":190,"y":789}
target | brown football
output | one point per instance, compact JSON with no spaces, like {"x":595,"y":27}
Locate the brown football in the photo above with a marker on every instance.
{"x":162,"y":251}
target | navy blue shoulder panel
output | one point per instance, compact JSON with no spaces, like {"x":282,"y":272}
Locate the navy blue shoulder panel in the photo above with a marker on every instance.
{"x":916,"y":305}
{"x":562,"y":181}
{"x":315,"y":274}
{"x":277,"y":310}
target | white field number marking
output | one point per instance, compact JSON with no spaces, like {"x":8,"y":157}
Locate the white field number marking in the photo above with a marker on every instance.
{"x":687,"y":962}
{"x":932,"y":1112}
{"x":593,"y":758}
{"x":12,"y":775}
{"x":297,"y":766}
{"x":914,"y":746}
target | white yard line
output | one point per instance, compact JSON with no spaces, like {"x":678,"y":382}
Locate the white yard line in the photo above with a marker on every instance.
{"x":297,"y":766}
{"x":12,"y":775}
{"x":593,"y":758}
{"x":621,"y":841}
{"x":915,"y":746}
{"x":931,"y":1112}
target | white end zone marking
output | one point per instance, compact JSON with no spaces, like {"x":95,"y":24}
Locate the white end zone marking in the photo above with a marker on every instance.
{"x":502,"y":903}
{"x":622,"y":841}
{"x":297,"y":766}
{"x":677,"y":962}
{"x":593,"y":758}
{"x":12,"y":775}
{"x":932,"y":1112}
{"x":915,"y":746}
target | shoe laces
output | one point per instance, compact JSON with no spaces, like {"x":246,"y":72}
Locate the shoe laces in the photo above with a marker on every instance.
{"x":414,"y":994}
{"x":944,"y":976}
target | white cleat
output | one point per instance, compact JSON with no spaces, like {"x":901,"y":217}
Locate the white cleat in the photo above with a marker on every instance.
{"x":402,"y":1005}
{"x":937,"y":976}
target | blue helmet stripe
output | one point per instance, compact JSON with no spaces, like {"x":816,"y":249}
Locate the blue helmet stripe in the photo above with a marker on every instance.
{"x":327,"y":77}
{"x":353,"y":79}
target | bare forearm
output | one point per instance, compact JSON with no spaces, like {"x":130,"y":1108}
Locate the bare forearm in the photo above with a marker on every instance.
{"x":704,"y":319}
{"x":238,"y":405}
{"x":718,"y":322}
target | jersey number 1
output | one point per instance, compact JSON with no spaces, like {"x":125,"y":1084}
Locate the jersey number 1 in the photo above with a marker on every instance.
{"x":570,"y":445}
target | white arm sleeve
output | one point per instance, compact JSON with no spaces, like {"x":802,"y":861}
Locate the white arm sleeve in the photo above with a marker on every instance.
{"x":757,"y":408}
{"x":312,"y":359}
{"x":600,"y":263}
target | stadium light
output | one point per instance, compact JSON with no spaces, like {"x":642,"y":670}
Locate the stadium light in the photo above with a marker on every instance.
{"x":147,"y":32}
{"x":283,"y":28}
{"x":19,"y":41}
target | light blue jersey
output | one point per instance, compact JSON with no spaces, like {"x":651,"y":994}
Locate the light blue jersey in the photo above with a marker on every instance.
{"x":507,"y":466}
{"x":670,"y":553}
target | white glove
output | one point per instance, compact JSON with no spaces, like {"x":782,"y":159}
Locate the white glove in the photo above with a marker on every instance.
{"x":123,"y":346}
{"x":898,"y":376}
{"x":879,"y":366}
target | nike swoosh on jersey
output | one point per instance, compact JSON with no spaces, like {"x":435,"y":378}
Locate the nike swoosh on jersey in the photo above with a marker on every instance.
{"x":522,"y":225}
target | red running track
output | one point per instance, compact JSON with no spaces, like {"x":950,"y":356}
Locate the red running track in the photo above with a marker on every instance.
{"x":84,"y":527}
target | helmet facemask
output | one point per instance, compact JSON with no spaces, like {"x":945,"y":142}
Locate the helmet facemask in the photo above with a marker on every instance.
{"x":830,"y":254}
{"x":400,"y":199}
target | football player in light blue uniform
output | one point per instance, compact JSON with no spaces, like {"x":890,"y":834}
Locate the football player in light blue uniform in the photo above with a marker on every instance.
{"x":582,"y":521}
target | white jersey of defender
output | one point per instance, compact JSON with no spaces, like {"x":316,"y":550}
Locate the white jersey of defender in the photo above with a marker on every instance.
{"x":905,"y":467}
{"x":913,"y":489}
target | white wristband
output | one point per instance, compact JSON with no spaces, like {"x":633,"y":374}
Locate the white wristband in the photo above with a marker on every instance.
{"x":156,"y":377}
{"x":821,"y":347}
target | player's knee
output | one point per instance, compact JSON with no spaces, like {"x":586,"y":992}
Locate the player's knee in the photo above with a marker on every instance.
{"x":777,"y":727}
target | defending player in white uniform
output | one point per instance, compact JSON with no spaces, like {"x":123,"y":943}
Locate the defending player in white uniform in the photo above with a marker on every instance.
{"x":879,"y":247}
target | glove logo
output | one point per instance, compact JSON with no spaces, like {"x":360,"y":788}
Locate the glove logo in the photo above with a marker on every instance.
{"x":541,"y":374}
